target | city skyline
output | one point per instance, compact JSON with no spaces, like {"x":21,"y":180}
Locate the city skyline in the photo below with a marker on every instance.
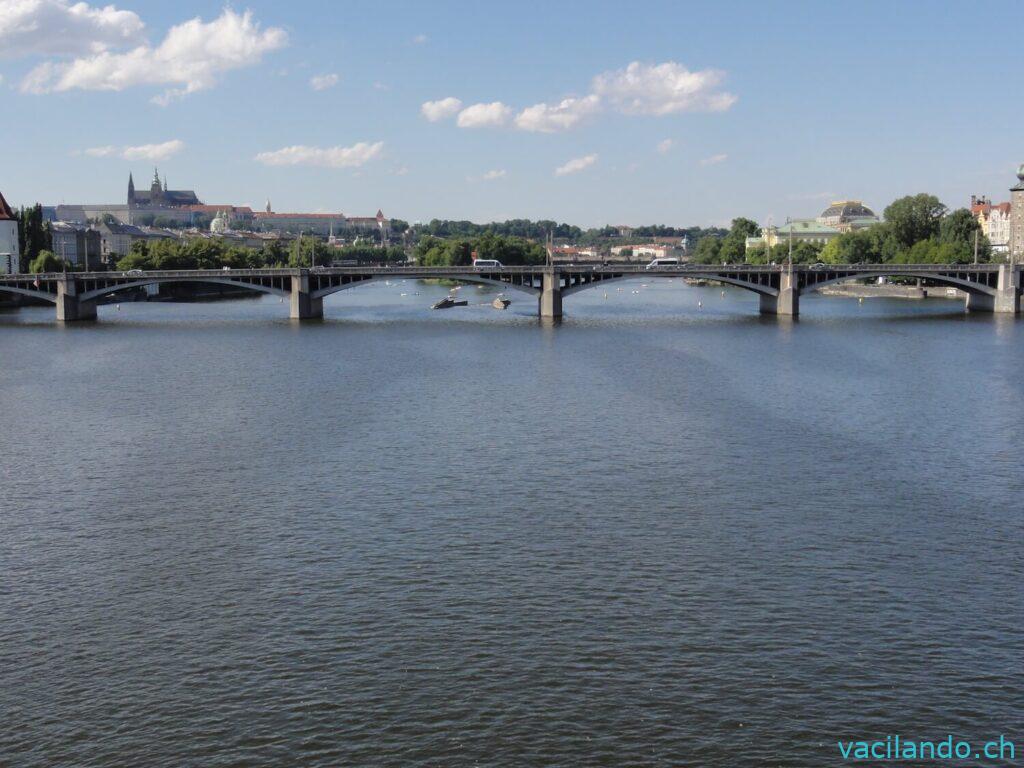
{"x":683,"y":116}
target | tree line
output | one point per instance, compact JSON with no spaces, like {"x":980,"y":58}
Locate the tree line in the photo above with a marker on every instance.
{"x":916,"y":229}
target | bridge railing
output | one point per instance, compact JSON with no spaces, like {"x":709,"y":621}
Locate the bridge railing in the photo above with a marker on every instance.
{"x":418,"y":271}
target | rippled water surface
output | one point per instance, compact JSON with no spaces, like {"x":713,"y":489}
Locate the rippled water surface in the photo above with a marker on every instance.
{"x":665,"y":532}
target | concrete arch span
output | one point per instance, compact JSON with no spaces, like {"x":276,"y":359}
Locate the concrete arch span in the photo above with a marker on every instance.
{"x":98,"y":293}
{"x":28,"y":292}
{"x":763,"y":290}
{"x":967,"y":286}
{"x":471,"y":278}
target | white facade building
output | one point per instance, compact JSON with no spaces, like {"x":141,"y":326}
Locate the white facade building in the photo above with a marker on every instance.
{"x":9,"y":251}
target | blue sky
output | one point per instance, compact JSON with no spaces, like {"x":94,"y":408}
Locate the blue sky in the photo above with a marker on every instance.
{"x":743,"y":108}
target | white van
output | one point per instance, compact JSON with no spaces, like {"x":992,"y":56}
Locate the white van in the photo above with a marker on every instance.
{"x":486,"y":264}
{"x":663,"y":262}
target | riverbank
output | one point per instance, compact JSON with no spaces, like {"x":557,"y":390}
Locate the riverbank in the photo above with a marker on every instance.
{"x":891,"y":291}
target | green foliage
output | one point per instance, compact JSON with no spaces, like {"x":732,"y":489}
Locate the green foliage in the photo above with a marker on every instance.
{"x":708,"y":250}
{"x":803,"y":253}
{"x":435,"y":252}
{"x":34,"y":234}
{"x":46,"y":261}
{"x":913,"y":219}
{"x":734,"y":245}
{"x":524,"y":228}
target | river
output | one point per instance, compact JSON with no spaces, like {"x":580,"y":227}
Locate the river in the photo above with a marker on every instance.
{"x":666,"y":532}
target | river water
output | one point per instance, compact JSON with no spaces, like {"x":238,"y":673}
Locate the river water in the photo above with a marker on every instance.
{"x":665,"y":532}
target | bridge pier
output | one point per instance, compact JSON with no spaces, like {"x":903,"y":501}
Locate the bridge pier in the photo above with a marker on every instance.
{"x":70,"y":308}
{"x":1007,"y":299}
{"x":303,"y":305}
{"x":787,"y":301}
{"x":551,"y":295}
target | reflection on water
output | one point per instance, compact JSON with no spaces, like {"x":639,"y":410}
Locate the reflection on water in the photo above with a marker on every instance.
{"x":667,"y":531}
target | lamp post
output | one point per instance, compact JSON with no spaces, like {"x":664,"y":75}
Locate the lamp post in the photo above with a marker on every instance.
{"x":790,"y":225}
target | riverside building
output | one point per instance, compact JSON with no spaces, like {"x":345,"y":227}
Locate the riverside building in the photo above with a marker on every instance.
{"x":9,"y":249}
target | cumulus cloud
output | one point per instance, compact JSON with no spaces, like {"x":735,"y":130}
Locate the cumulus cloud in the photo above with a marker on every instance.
{"x":662,"y":89}
{"x":323,"y":157}
{"x":484,"y":115}
{"x":420,"y":39}
{"x":156,"y":152}
{"x":191,"y":58}
{"x":665,"y":146}
{"x":714,"y":159}
{"x":441,"y":109}
{"x":576,"y":165}
{"x":495,"y":174}
{"x":57,"y":28}
{"x":323,"y":82}
{"x":549,"y":118}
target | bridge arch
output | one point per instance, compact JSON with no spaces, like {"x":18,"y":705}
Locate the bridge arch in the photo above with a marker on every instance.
{"x":763,"y":290}
{"x":50,"y":297}
{"x":462,"y":278}
{"x":97,"y":293}
{"x":955,"y":282}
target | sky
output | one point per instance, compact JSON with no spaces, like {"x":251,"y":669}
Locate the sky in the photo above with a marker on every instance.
{"x":592,"y":113}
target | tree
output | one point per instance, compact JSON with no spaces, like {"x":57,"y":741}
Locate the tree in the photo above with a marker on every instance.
{"x":913,"y":219}
{"x":708,"y":250}
{"x":851,"y":248}
{"x":46,"y":261}
{"x":734,"y":246}
{"x":33,"y":233}
{"x":960,"y":228}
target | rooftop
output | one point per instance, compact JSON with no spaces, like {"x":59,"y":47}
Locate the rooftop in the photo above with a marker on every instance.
{"x":6,"y":214}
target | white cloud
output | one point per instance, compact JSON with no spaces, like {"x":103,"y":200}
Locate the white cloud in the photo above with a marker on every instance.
{"x":661,"y":89}
{"x":323,"y":82}
{"x":665,"y":146}
{"x":495,"y":174}
{"x":107,"y":151}
{"x":714,"y":159}
{"x":548,"y":118}
{"x":323,"y":157}
{"x":156,"y":152}
{"x":441,"y":109}
{"x":576,"y":165}
{"x":420,"y":39}
{"x":190,"y":58}
{"x":484,"y":115}
{"x":57,"y":28}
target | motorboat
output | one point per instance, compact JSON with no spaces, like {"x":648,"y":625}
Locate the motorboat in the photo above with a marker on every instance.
{"x":501,"y":302}
{"x":450,"y":301}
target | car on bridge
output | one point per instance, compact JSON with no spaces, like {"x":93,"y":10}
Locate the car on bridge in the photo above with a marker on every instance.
{"x":134,"y":273}
{"x":663,"y":262}
{"x":486,"y":264}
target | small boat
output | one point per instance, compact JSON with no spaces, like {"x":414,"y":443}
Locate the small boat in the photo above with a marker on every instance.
{"x":501,"y":302}
{"x":450,"y":301}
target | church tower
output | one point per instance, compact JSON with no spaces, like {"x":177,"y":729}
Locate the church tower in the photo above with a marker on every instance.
{"x":155,"y":190}
{"x":131,"y":190}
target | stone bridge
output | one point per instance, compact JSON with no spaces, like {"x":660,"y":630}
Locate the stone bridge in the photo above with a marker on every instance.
{"x":989,"y":287}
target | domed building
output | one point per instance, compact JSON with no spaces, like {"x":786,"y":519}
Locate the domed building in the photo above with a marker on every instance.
{"x":847,"y":215}
{"x":219,"y":225}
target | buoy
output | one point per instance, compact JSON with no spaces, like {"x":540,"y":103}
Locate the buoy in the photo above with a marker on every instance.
{"x":118,"y":307}
{"x":723,"y":294}
{"x":860,"y":300}
{"x":700,"y":305}
{"x":606,"y":294}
